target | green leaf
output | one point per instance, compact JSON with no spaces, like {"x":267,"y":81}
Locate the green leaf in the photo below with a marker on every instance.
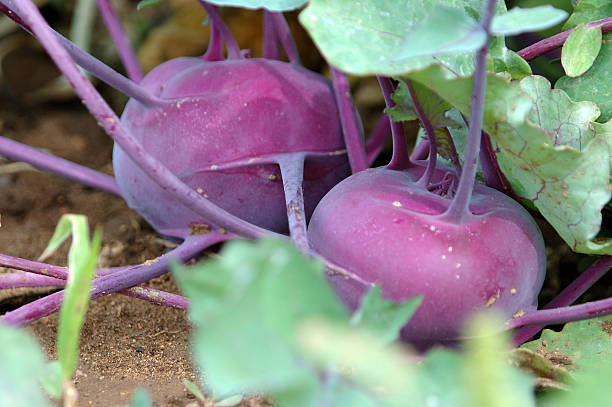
{"x":272,"y":5}
{"x":194,"y":389}
{"x":586,"y":11}
{"x":141,"y":398}
{"x":147,"y":3}
{"x":582,"y":343}
{"x":363,"y":360}
{"x":21,"y":367}
{"x":229,"y":401}
{"x":82,"y":259}
{"x":591,"y":388}
{"x":52,"y":380}
{"x":566,"y":123}
{"x":383,"y":318}
{"x":580,"y":50}
{"x":434,"y":108}
{"x":594,"y":84}
{"x":551,"y":376}
{"x":446,"y":30}
{"x":365,"y":37}
{"x":506,"y":60}
{"x":520,"y":20}
{"x":536,"y":134}
{"x":265,"y":290}
{"x":489,"y":379}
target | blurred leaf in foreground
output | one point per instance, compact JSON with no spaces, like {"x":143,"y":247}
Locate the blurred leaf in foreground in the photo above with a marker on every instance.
{"x":581,"y":344}
{"x":21,"y":368}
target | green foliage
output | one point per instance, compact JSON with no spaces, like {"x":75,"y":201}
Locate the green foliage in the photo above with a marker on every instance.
{"x":147,"y":3}
{"x":446,"y":30}
{"x":382,"y":318}
{"x":265,"y":291}
{"x":595,"y":84}
{"x":506,"y":60}
{"x":141,"y":398}
{"x":584,"y":343}
{"x":591,"y":389}
{"x":549,"y":149}
{"x":82,"y":259}
{"x":586,"y":11}
{"x":520,"y":20}
{"x":272,"y":5}
{"x":368,"y":37}
{"x":274,"y":326}
{"x":580,"y":50}
{"x":22,"y":366}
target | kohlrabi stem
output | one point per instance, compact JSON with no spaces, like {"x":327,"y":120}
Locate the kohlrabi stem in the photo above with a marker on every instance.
{"x":556,"y":41}
{"x":490,"y":169}
{"x":376,"y":141}
{"x":570,"y":294}
{"x":431,"y":136}
{"x":48,"y":162}
{"x":20,"y":280}
{"x":214,"y":52}
{"x":110,"y":283}
{"x":271,"y":49}
{"x":400,"y":159}
{"x":292,"y":172}
{"x":286,"y":39}
{"x":122,"y":42}
{"x":459,"y":207}
{"x":110,"y":122}
{"x":233,"y":50}
{"x":43,"y":269}
{"x":420,"y":151}
{"x":562,"y":315}
{"x":23,"y":280}
{"x":157,"y":297}
{"x":95,"y":66}
{"x":350,"y":121}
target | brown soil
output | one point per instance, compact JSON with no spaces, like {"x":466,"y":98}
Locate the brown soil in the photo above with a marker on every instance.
{"x":126,"y":343}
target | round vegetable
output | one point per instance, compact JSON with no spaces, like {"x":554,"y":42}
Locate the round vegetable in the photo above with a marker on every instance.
{"x":382,"y":226}
{"x":222,"y":132}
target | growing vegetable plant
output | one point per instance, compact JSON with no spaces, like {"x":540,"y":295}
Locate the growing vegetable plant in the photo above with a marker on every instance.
{"x":204,"y":143}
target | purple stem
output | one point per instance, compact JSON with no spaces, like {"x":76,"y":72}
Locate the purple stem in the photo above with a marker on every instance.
{"x":562,"y":315}
{"x":122,"y":42}
{"x":350,"y":121}
{"x":19,"y":280}
{"x":48,"y":162}
{"x":43,"y":269}
{"x":215,"y":45}
{"x":376,"y":141}
{"x":110,"y":122}
{"x":431,"y":136}
{"x":281,"y":28}
{"x":292,"y":172}
{"x":233,"y":51}
{"x":459,"y":207}
{"x":271,"y":50}
{"x":490,"y":169}
{"x":420,"y":151}
{"x":400,"y":159}
{"x":94,"y":66}
{"x":570,"y":294}
{"x":117,"y":281}
{"x":157,"y":297}
{"x":556,"y":41}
